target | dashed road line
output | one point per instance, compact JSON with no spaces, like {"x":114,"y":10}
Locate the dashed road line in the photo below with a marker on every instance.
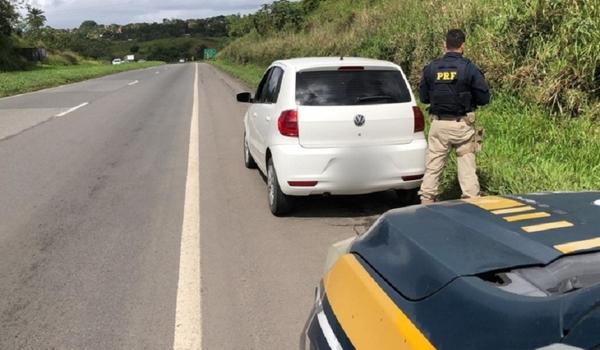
{"x":133,"y":82}
{"x":62,"y":114}
{"x":188,"y":318}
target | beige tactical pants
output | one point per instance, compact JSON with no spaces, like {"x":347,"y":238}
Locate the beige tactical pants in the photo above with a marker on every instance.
{"x":443,"y":136}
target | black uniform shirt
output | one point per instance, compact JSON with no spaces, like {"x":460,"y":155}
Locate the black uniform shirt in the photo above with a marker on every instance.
{"x":480,"y":90}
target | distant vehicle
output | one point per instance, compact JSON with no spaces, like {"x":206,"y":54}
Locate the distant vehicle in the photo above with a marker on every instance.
{"x":117,"y":61}
{"x":339,"y":126}
{"x":516,"y":272}
{"x":181,"y":60}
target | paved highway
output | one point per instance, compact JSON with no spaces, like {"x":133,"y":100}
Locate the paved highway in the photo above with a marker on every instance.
{"x":128,"y":221}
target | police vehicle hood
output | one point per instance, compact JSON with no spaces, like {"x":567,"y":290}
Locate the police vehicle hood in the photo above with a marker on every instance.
{"x":420,"y":249}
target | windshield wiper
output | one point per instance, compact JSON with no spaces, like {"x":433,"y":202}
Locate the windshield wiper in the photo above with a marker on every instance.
{"x":374,"y":98}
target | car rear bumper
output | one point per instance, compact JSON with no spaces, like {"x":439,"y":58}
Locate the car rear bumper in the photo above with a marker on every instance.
{"x":348,"y":171}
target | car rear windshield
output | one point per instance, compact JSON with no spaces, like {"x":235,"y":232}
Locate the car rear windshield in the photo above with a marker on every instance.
{"x":340,"y":88}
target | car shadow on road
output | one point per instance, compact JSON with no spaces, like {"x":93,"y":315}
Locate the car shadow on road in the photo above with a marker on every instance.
{"x":366,"y":206}
{"x":356,"y":206}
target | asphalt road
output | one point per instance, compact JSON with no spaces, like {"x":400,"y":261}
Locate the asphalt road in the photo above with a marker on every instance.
{"x":94,"y":183}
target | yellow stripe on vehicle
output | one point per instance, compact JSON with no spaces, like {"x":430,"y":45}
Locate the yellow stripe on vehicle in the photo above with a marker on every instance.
{"x":529,"y":216}
{"x":370,"y":319}
{"x":493,"y":202}
{"x":578,"y":245}
{"x":547,"y":226}
{"x":513,"y":210}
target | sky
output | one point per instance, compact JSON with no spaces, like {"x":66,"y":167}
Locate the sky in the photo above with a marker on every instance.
{"x":70,"y":13}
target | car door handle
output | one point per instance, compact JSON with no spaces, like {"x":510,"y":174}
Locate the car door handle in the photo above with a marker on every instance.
{"x":254,"y":115}
{"x":268,"y":118}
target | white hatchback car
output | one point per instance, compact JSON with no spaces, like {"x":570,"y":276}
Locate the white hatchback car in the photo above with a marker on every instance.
{"x":334,"y":126}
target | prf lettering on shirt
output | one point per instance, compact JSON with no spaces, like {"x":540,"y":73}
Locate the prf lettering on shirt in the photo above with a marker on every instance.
{"x":446,"y":76}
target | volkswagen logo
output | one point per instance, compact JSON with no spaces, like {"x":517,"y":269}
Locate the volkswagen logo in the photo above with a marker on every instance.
{"x":359,"y":120}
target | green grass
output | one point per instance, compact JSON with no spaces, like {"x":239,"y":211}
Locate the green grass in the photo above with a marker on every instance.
{"x":46,"y":76}
{"x":249,"y":74}
{"x":525,"y":149}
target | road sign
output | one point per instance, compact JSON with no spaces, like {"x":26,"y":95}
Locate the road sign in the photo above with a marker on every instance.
{"x":210,"y":54}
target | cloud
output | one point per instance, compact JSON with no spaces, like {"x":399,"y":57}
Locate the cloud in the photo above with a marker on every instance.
{"x":70,"y":13}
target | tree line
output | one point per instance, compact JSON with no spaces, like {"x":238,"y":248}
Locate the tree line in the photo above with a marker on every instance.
{"x":100,"y":41}
{"x":278,"y":16}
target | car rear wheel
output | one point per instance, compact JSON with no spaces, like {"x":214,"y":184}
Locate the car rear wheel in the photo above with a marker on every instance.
{"x":279,"y":203}
{"x":248,"y":160}
{"x":408,"y":197}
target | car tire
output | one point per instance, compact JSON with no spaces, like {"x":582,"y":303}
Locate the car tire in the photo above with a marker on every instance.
{"x":408,"y":197}
{"x":279,"y":203}
{"x":248,"y":160}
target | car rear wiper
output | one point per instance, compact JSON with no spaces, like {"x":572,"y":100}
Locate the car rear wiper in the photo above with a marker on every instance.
{"x":374,"y":98}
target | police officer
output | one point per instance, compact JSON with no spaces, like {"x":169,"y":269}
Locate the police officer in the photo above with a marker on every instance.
{"x":454,"y":87}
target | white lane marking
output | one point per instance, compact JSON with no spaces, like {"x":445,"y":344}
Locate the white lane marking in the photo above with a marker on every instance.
{"x":157,"y":72}
{"x":62,"y":114}
{"x":188,"y":318}
{"x":133,"y":82}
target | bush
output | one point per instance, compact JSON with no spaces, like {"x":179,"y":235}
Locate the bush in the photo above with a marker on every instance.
{"x":9,"y":59}
{"x":66,"y":58}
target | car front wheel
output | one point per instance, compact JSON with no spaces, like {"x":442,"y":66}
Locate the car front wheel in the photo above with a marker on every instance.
{"x":279,"y":203}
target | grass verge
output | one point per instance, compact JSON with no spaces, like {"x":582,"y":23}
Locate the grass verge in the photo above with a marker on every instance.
{"x":525,"y":149}
{"x":248,"y":74}
{"x":12,"y":83}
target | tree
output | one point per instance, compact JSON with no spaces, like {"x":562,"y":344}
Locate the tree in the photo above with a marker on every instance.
{"x":238,"y":25}
{"x":8,"y":17}
{"x":134,"y":49}
{"x":88,"y":25}
{"x":281,"y":15}
{"x":35,"y":19}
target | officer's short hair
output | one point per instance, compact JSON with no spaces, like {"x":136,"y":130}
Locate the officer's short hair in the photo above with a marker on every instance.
{"x":454,"y":39}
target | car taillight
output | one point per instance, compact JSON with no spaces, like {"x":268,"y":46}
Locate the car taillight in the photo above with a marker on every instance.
{"x":288,"y":123}
{"x":419,"y":119}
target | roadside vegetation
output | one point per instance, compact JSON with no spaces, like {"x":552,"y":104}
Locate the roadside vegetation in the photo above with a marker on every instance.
{"x":46,"y":76}
{"x":249,"y":74}
{"x":542,"y":59}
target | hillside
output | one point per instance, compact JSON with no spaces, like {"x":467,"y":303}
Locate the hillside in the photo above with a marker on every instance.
{"x":542,"y":59}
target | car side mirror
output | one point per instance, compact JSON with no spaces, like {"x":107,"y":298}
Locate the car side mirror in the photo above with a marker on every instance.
{"x":245,"y":97}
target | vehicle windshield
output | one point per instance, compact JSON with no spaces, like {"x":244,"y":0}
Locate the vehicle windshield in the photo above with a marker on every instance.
{"x":341,"y":88}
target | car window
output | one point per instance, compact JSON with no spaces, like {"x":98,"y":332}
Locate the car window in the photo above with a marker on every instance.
{"x":262,"y":87}
{"x":273,"y":85}
{"x":338,"y":88}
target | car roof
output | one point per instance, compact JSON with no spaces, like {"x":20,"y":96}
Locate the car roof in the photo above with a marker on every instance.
{"x":420,"y":249}
{"x":316,"y":62}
